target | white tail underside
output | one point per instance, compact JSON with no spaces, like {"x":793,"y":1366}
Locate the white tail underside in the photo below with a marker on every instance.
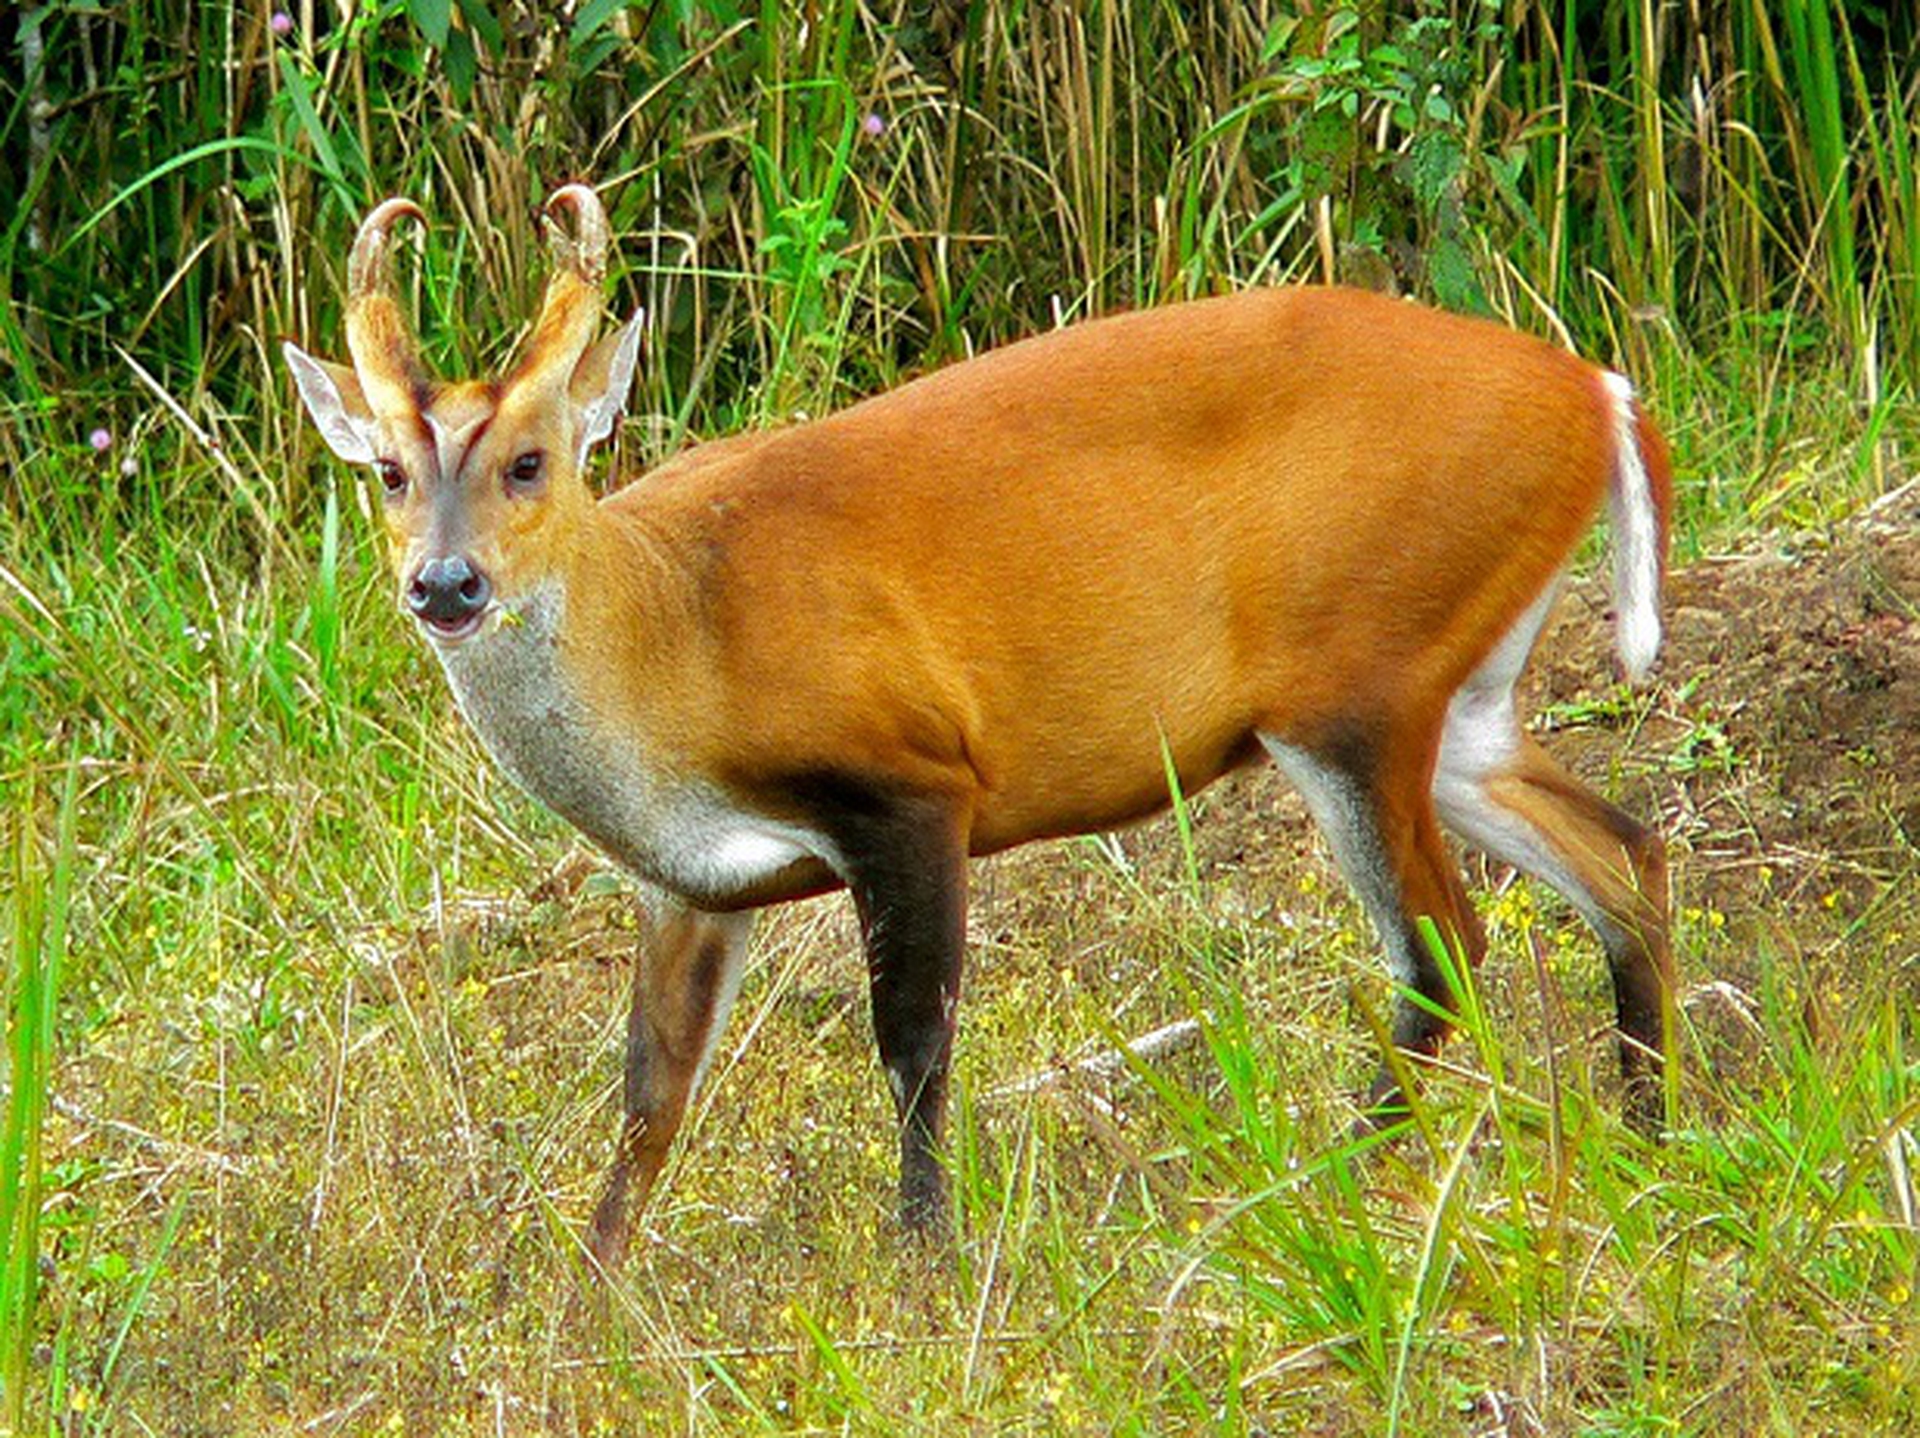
{"x":1636,"y":540}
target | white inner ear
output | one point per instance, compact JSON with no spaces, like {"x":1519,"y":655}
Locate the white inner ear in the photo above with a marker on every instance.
{"x":349,"y":435}
{"x":599,"y":413}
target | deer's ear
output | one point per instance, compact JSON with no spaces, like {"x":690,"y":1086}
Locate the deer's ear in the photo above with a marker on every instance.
{"x":332,"y":395}
{"x":600,"y":385}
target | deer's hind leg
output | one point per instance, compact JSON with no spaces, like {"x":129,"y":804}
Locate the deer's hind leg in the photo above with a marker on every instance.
{"x":1500,"y":791}
{"x":1368,"y":789}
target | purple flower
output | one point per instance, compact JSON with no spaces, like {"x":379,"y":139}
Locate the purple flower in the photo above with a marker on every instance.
{"x":101,"y":440}
{"x":281,"y":23}
{"x":874,"y":125}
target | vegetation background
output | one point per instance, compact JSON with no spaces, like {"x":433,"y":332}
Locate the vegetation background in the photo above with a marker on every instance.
{"x":311,"y":1020}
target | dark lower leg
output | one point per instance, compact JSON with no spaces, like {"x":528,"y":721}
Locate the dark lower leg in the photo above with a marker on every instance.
{"x":1613,"y":868}
{"x":685,"y":974}
{"x":916,"y":1048}
{"x":1425,"y":999}
{"x":1641,"y":961}
{"x":914,"y":942}
{"x":906,"y":865}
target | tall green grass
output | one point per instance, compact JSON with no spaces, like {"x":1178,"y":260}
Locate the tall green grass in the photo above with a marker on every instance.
{"x":1650,"y":181}
{"x":1524,"y":1212}
{"x":306,"y":1091}
{"x":42,"y":891}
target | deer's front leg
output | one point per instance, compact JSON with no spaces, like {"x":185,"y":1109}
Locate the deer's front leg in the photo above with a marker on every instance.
{"x":686,"y":974}
{"x":904,"y":858}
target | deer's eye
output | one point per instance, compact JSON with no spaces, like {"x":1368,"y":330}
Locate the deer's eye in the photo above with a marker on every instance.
{"x":393,"y":479}
{"x":526,"y":472}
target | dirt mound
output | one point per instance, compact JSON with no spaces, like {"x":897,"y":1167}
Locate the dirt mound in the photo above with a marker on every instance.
{"x":1782,"y":741}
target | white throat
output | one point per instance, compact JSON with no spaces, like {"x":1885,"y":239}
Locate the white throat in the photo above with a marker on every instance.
{"x":514,"y":688}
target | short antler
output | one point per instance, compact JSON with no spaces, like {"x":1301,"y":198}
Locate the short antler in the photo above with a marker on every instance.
{"x":570,"y":315}
{"x":586,"y":253}
{"x":377,"y":333}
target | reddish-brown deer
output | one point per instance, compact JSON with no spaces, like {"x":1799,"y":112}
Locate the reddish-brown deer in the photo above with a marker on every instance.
{"x":990,"y":606}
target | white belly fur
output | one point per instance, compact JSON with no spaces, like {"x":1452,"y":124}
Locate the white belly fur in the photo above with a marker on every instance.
{"x":682,"y":836}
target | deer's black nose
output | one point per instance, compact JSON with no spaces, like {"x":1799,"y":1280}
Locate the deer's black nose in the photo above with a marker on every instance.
{"x":448,"y":593}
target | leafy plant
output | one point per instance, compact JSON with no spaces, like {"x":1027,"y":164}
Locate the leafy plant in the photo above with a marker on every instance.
{"x":330,"y":1080}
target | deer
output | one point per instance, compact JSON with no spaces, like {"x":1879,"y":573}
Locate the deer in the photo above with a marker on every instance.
{"x":1030,"y":594}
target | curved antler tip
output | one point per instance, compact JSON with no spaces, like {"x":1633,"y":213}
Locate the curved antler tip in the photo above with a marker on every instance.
{"x":586,"y":253}
{"x":380,"y":219}
{"x":395,"y":205}
{"x":577,"y":196}
{"x":364,"y":262}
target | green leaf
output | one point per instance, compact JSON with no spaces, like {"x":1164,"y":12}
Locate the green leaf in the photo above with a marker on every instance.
{"x":1433,"y":164}
{"x":299,"y":94}
{"x":481,"y":20}
{"x":434,"y":17}
{"x":1279,"y":38}
{"x":591,"y":57}
{"x":462,"y":66}
{"x":593,"y":16}
{"x":1450,"y":272}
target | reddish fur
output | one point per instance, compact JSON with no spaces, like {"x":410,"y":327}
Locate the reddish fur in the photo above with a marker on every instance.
{"x":983,"y":609}
{"x":1007,"y":584}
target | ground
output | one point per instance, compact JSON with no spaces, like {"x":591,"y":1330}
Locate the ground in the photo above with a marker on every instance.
{"x":379,"y":1202}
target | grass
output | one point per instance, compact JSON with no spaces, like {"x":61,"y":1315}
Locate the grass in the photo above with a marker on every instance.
{"x":332,"y":1087}
{"x":312,"y":1019}
{"x":39,"y":914}
{"x":332,"y":1167}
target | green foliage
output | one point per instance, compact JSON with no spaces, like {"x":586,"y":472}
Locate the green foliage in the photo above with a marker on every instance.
{"x":1337,"y":89}
{"x":302,"y":1103}
{"x":42,"y":891}
{"x":819,"y":198}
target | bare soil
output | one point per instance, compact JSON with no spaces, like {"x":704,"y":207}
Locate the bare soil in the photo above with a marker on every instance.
{"x":1780,"y":747}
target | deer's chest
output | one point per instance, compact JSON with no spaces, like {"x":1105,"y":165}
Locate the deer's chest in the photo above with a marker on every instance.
{"x":513,"y":686}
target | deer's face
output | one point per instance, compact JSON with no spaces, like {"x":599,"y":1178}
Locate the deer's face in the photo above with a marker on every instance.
{"x":481,"y":482}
